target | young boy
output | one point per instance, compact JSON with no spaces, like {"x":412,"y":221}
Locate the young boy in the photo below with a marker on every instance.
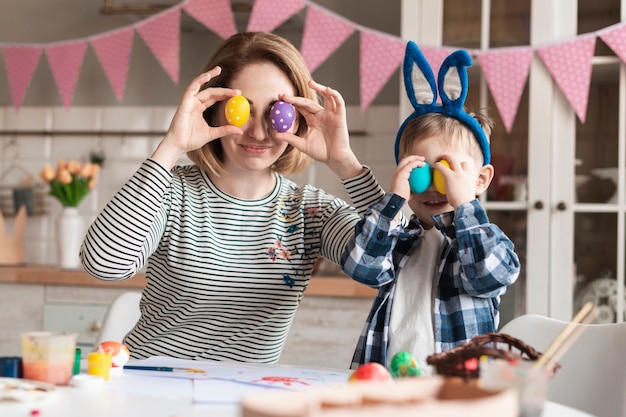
{"x":440,"y":277}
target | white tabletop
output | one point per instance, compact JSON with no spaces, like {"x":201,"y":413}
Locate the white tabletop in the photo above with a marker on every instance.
{"x":73,"y":402}
{"x":136,"y":394}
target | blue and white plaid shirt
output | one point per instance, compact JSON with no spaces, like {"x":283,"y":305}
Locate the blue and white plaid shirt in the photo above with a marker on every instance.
{"x":477,"y":263}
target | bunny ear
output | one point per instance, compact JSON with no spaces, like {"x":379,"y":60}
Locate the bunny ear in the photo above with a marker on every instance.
{"x":452,"y":80}
{"x":419,"y":80}
{"x":419,"y":83}
{"x":421,"y":89}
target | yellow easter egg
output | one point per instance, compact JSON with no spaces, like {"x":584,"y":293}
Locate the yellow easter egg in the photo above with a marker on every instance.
{"x":237,"y":111}
{"x":438,"y":181}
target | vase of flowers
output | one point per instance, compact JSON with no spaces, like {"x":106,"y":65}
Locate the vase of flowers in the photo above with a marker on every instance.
{"x":70,"y":183}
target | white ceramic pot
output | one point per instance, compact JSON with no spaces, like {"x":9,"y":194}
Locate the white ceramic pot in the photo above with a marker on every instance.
{"x":70,"y":235}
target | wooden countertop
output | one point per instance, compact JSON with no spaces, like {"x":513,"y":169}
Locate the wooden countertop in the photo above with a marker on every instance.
{"x":331,"y":286}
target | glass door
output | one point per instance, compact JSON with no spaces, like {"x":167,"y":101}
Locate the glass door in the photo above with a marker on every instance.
{"x":558,"y":192}
{"x":480,"y":25}
{"x":599,"y":210}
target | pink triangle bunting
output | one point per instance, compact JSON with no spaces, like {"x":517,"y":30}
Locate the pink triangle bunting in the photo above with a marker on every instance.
{"x":113,"y":52}
{"x":216,"y":15}
{"x":267,"y":15}
{"x":569,"y":64}
{"x":65,"y":60}
{"x":162,"y":35}
{"x":381,"y":55}
{"x":506,"y":72}
{"x":323,"y":34}
{"x":21,"y":63}
{"x":615,"y":38}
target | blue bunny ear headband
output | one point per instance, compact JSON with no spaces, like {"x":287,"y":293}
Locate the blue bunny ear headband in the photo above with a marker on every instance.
{"x":419,"y":82}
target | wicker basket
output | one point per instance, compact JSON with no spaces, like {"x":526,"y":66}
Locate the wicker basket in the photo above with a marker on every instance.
{"x":462,"y":361}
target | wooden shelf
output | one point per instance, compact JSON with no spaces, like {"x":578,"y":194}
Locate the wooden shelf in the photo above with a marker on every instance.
{"x":330,"y":286}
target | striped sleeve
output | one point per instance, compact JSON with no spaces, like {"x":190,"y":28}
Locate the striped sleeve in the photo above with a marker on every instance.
{"x":129,"y":227}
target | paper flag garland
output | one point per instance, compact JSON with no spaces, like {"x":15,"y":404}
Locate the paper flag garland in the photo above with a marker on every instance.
{"x":569,"y":62}
{"x":506,"y":72}
{"x":216,"y":15}
{"x":381,"y":56}
{"x":323,"y":34}
{"x":113,"y":51}
{"x":266,"y":16}
{"x":65,"y":60}
{"x":162,"y":35}
{"x":615,"y":37}
{"x":20,"y":62}
{"x":570,"y":66}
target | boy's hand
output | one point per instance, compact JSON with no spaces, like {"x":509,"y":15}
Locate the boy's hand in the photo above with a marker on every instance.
{"x":460,"y":180}
{"x":400,"y":180}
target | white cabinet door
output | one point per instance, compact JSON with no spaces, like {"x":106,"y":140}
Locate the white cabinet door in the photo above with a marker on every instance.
{"x":552,"y":192}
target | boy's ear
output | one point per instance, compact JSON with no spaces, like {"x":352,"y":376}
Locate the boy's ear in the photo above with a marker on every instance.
{"x":485,"y":175}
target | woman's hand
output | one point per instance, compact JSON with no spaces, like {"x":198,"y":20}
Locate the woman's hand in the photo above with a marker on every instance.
{"x":327,"y":139}
{"x":188,"y":130}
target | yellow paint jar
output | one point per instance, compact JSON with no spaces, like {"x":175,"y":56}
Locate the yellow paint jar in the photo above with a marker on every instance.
{"x":99,"y":364}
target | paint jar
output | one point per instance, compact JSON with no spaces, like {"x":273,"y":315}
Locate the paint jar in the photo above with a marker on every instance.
{"x":48,"y":356}
{"x":99,"y":364}
{"x":11,"y":366}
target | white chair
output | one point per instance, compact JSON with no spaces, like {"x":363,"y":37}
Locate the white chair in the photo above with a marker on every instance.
{"x":120,"y":318}
{"x":592,"y":376}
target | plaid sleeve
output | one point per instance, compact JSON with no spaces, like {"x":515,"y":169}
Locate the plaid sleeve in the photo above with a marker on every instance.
{"x":380,"y":244}
{"x":488,"y":260}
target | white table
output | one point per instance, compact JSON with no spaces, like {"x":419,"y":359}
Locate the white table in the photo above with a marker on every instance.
{"x":139,"y":395}
{"x":72,"y":402}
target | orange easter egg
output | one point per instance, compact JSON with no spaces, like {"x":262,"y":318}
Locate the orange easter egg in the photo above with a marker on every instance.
{"x":120,"y":353}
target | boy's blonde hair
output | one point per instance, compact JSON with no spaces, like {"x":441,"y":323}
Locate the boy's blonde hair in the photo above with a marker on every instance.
{"x":233,"y":55}
{"x":452,"y":131}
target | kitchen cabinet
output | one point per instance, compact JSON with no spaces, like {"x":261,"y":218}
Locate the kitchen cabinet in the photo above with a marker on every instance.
{"x":559,"y":187}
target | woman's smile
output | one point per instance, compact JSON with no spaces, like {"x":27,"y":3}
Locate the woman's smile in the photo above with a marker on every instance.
{"x":255,"y":149}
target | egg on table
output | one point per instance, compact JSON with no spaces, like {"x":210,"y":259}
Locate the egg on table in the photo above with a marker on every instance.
{"x":119,"y":353}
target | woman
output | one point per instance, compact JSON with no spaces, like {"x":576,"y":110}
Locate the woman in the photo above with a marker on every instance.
{"x":229,"y":242}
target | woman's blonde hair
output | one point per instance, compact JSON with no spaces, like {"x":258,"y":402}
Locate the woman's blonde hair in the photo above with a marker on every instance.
{"x":451,"y":130}
{"x":233,"y":55}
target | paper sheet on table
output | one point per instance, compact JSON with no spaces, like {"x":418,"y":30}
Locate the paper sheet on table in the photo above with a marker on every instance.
{"x":214,"y":391}
{"x":275,"y":376}
{"x":150,"y":386}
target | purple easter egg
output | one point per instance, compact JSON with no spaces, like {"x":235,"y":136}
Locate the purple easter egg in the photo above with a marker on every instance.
{"x":282,"y":116}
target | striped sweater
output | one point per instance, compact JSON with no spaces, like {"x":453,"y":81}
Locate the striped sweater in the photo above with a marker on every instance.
{"x":224,"y":275}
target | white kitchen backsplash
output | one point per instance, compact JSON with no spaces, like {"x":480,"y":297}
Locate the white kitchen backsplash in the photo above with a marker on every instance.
{"x":34,"y":136}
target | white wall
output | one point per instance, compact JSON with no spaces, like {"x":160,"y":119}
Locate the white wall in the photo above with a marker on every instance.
{"x":374,"y":143}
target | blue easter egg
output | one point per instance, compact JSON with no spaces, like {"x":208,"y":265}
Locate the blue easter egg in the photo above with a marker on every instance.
{"x":282,"y":116}
{"x":420,"y":178}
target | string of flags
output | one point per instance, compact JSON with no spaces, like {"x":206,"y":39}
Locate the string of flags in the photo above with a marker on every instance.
{"x":505,"y":69}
